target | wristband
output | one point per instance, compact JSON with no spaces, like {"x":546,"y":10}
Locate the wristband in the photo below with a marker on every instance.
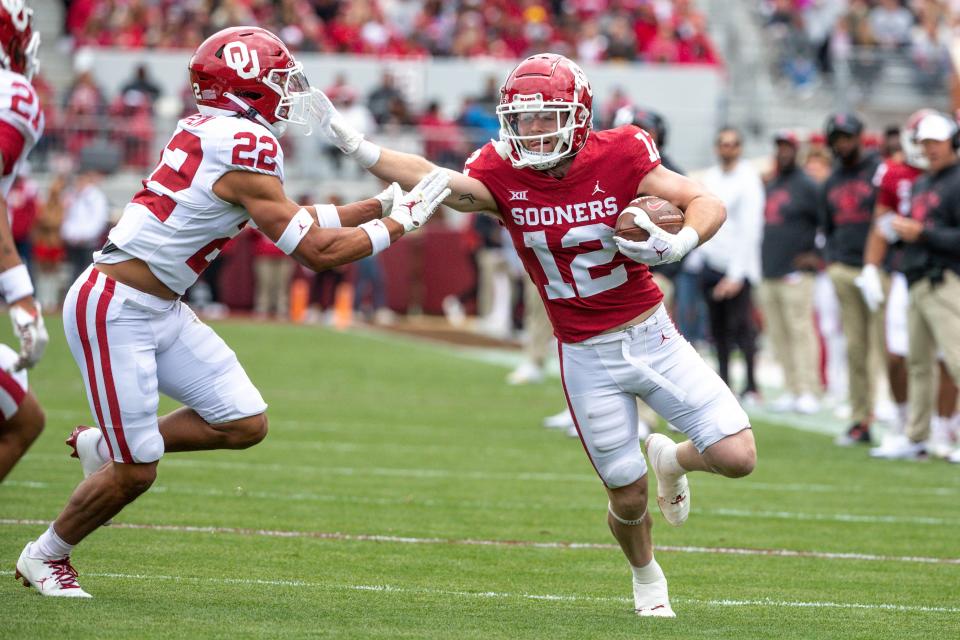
{"x":297,"y":228}
{"x":687,"y":239}
{"x":15,"y":283}
{"x":327,"y":216}
{"x":366,"y":154}
{"x":378,"y":233}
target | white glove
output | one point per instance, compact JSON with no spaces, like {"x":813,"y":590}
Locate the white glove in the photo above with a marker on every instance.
{"x":393,"y":193}
{"x":32,"y":333}
{"x":414,"y":209}
{"x":870,"y":286}
{"x":332,"y":125}
{"x":661,"y":247}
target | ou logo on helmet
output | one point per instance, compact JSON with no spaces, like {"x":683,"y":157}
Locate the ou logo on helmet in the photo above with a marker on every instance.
{"x":241,"y":59}
{"x":19,"y":14}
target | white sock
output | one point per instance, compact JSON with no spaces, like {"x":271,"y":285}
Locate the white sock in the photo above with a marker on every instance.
{"x":668,"y":458}
{"x":648,"y":574}
{"x":50,"y":546}
{"x":102,"y":450}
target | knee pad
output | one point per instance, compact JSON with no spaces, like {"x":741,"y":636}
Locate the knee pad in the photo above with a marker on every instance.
{"x":624,"y":470}
{"x":148,"y":448}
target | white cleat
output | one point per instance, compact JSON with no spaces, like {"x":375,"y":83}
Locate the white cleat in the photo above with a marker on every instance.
{"x":55,"y":578}
{"x":955,"y":456}
{"x":651,"y":600}
{"x":85,"y":443}
{"x":673,"y":492}
{"x":900,"y":448}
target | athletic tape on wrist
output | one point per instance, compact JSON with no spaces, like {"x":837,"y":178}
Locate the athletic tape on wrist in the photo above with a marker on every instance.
{"x":15,"y":283}
{"x":624,"y":521}
{"x":366,"y":154}
{"x":327,"y":216}
{"x":689,"y":239}
{"x":379,"y":235}
{"x":299,"y":226}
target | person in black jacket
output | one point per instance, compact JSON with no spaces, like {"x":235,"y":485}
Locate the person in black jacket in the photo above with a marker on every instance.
{"x":931,"y":264}
{"x":847,"y":203}
{"x":791,"y":217}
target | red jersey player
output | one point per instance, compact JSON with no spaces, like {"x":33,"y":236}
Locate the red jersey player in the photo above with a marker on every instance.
{"x":127,"y":329}
{"x":558,"y":189}
{"x":21,"y":125}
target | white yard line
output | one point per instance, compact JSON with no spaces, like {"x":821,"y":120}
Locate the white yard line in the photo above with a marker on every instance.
{"x":347,"y":537}
{"x":502,"y":595}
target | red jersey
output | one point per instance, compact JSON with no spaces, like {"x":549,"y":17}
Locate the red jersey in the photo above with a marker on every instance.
{"x":894,"y":181}
{"x":563,"y":229}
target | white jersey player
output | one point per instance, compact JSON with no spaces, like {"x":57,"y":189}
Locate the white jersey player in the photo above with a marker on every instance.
{"x":127,"y":328}
{"x":21,"y":125}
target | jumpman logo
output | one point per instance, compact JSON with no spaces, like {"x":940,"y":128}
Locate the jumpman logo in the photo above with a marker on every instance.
{"x":598,"y":189}
{"x":663,"y":337}
{"x":302,"y":226}
{"x":409,"y":206}
{"x":660,"y":252}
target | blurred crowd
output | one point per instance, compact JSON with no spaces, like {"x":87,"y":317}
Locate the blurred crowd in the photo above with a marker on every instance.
{"x":855,"y":39}
{"x":669,"y":31}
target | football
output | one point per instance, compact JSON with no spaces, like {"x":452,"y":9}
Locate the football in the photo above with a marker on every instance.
{"x":662,"y":213}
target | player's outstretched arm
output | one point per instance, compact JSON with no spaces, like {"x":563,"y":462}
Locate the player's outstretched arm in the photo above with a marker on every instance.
{"x":704,"y":212}
{"x":296,"y":230}
{"x":466,"y":194}
{"x":17,"y":289}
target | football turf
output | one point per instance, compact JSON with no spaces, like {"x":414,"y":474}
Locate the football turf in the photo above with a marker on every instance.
{"x":406,"y":491}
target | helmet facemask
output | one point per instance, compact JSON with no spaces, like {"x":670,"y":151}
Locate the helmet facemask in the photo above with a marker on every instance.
{"x":294,"y":90}
{"x":526,"y":148}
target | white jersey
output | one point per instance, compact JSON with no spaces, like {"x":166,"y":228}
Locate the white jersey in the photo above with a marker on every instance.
{"x":20,"y":108}
{"x":176,"y":224}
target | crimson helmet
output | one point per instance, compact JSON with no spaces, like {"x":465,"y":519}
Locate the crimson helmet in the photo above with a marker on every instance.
{"x":550,"y":85}
{"x":248,"y":70}
{"x":19,"y":43}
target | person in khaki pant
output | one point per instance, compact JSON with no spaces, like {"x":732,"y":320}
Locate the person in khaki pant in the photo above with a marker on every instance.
{"x":847,"y":204}
{"x":931,"y":264}
{"x":786,"y":291}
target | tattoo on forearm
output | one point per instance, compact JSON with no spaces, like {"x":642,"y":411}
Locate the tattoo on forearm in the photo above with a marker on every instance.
{"x":468,"y":197}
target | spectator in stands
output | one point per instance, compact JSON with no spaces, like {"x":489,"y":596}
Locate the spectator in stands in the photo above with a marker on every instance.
{"x":141,"y":83}
{"x":442,"y":142}
{"x":791,"y":217}
{"x":931,"y":263}
{"x":382,"y":100}
{"x":621,"y":39}
{"x":23,"y":205}
{"x":847,"y":204}
{"x":732,"y":258}
{"x":83,"y":105}
{"x":85,"y":219}
{"x":929,"y":49}
{"x":890,"y":23}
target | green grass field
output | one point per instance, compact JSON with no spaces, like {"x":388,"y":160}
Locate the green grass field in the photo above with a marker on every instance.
{"x":405,"y":491}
